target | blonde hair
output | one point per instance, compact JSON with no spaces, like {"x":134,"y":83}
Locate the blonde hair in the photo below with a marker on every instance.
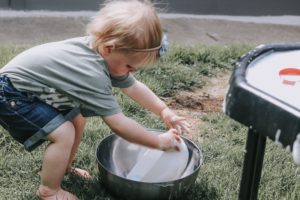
{"x":132,"y":26}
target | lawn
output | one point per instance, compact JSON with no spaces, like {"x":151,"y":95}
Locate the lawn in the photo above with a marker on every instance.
{"x":222,"y":139}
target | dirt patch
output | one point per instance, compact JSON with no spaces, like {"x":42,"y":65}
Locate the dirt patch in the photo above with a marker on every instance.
{"x":194,"y":101}
{"x":194,"y":105}
{"x":207,"y":99}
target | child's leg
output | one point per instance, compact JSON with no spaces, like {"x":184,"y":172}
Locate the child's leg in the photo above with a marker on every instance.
{"x":79,"y":124}
{"x":30,"y":121}
{"x":56,"y":158}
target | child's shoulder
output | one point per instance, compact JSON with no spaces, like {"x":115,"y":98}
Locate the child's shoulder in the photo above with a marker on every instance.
{"x":84,"y":40}
{"x":62,"y":47}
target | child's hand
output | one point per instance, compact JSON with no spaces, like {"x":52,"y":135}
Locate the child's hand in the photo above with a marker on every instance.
{"x":174,"y":121}
{"x":169,"y":141}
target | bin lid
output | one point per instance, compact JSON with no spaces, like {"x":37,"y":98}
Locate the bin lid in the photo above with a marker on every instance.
{"x":277,"y":74}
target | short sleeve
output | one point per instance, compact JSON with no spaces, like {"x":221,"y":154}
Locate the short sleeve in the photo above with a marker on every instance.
{"x":122,"y":81}
{"x":98,"y":104}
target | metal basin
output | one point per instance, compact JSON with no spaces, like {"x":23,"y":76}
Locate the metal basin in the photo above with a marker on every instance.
{"x":115,"y":161}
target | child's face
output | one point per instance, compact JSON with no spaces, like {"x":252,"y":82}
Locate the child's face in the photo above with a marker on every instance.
{"x":120,"y":64}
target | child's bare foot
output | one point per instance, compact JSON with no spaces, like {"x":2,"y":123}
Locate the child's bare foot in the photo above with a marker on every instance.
{"x":80,"y":172}
{"x":47,"y":194}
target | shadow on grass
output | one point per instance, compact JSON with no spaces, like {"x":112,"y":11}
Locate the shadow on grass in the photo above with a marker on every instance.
{"x":93,"y":190}
{"x":202,"y":190}
{"x":86,"y":189}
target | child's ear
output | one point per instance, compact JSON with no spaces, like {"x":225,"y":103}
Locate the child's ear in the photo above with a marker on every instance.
{"x":107,"y":49}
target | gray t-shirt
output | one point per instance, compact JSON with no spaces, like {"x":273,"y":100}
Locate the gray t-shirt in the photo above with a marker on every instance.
{"x":67,"y":74}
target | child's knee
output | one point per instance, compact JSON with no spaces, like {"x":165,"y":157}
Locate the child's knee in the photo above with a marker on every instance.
{"x":65,"y":134}
{"x":79,"y":121}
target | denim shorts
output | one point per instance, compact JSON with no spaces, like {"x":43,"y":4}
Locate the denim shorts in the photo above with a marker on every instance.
{"x":28,"y":119}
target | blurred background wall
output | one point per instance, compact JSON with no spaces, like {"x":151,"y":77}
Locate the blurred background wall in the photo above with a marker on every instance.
{"x":201,"y":7}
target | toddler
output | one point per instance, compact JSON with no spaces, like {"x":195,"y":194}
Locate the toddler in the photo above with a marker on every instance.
{"x":47,"y":91}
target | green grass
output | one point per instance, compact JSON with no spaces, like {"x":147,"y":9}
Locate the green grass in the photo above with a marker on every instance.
{"x":186,"y":68}
{"x":223,"y":147}
{"x":221,"y":139}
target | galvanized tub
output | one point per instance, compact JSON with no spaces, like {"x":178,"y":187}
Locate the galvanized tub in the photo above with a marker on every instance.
{"x":113,"y":168}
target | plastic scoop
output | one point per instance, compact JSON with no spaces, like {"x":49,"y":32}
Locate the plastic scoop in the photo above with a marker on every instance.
{"x":159,"y":166}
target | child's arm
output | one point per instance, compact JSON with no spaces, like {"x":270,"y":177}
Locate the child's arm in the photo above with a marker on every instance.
{"x":140,"y":93}
{"x":132,"y":131}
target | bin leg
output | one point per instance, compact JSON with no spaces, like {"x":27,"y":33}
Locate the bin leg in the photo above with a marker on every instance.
{"x":253,"y":162}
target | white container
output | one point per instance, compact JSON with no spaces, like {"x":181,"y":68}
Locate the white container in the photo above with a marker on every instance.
{"x":160,"y":166}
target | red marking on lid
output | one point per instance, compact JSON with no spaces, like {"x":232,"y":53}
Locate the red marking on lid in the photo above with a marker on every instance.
{"x":287,"y":82}
{"x":289,"y":72}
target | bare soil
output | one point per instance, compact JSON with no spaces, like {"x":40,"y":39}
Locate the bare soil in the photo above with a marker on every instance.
{"x":206,"y":99}
{"x":193,"y":105}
